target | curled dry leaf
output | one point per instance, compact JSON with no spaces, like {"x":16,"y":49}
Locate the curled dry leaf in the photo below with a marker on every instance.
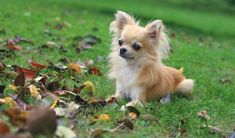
{"x":225,"y":80}
{"x":204,"y":115}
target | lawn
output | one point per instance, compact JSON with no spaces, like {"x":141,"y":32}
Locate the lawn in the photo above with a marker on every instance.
{"x":202,"y":42}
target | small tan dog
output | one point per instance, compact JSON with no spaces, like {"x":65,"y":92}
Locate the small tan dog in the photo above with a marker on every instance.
{"x":136,"y":61}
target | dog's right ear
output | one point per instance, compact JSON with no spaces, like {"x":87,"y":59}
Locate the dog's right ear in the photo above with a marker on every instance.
{"x":121,"y":19}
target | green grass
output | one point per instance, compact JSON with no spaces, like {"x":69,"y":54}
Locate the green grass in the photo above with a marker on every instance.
{"x":203,"y":45}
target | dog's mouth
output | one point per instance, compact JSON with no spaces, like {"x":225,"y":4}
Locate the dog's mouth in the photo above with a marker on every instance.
{"x":126,"y":57}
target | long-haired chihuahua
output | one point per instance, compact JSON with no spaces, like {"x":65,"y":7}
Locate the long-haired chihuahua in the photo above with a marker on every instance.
{"x":136,"y":61}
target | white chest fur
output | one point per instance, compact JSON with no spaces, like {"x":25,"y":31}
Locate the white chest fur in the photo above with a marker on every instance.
{"x":126,"y":78}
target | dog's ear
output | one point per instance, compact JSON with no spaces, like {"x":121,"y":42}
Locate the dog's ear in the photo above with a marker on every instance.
{"x":121,"y":19}
{"x":154,"y":28}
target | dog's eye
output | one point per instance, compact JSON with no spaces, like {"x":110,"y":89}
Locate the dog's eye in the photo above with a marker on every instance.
{"x":120,"y":42}
{"x":136,"y":46}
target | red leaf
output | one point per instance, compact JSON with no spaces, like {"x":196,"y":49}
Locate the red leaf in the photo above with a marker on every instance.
{"x":29,"y":74}
{"x":94,"y":71}
{"x":37,"y":65}
{"x":4,"y":129}
{"x":13,"y":46}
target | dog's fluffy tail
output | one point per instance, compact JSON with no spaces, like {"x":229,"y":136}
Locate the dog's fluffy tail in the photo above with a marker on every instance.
{"x":185,"y":87}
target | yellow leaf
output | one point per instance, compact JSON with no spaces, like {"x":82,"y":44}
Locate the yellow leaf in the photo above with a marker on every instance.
{"x":181,"y":70}
{"x":10,"y":101}
{"x":12,"y":87}
{"x":88,"y":86}
{"x":132,"y":115}
{"x":34,"y":92}
{"x":75,"y":67}
{"x":104,"y":117}
{"x":54,"y":104}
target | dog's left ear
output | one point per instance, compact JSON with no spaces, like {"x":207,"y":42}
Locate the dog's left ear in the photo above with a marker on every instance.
{"x":121,"y":20}
{"x":154,"y":28}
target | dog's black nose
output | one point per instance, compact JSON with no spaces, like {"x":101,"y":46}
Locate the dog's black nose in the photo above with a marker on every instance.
{"x":123,"y":50}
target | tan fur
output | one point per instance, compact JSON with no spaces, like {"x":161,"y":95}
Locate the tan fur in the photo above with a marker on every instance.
{"x":144,"y":77}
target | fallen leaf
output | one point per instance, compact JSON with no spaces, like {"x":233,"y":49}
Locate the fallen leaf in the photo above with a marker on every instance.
{"x":94,"y":71}
{"x":37,"y":65}
{"x":133,"y":110}
{"x":132,"y":115}
{"x":20,"y":80}
{"x":88,"y":86}
{"x":64,"y":132}
{"x":12,"y":87}
{"x":52,"y":86}
{"x":17,"y":116}
{"x":103,"y":117}
{"x":13,"y":46}
{"x":123,"y":124}
{"x":34,"y":91}
{"x":74,"y":67}
{"x":4,"y":129}
{"x":8,"y":101}
{"x":98,"y":103}
{"x":203,"y":114}
{"x":29,"y":74}
{"x":80,"y":100}
{"x":182,"y":131}
{"x":41,"y":120}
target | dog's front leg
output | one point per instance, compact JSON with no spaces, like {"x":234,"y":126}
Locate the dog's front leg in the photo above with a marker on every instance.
{"x":119,"y":91}
{"x":137,"y":97}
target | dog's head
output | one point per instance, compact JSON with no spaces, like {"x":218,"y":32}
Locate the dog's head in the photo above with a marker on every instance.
{"x":134,"y":42}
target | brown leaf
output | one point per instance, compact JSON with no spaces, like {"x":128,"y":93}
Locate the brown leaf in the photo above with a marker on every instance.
{"x":41,"y":120}
{"x":80,"y":100}
{"x":204,"y":115}
{"x":94,"y":71}
{"x":20,"y":79}
{"x":126,"y":123}
{"x":17,"y":116}
{"x":13,"y":46}
{"x":4,"y":129}
{"x":52,"y":86}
